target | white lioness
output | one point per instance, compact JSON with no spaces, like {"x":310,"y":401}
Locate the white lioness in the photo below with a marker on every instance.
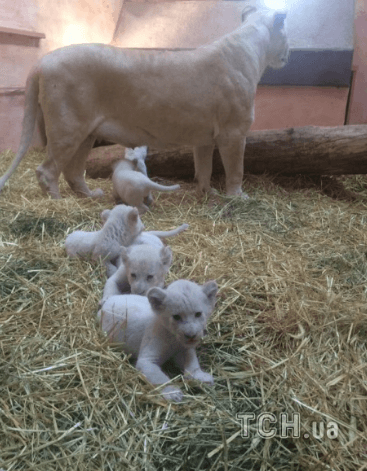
{"x":132,"y":187}
{"x":144,"y":264}
{"x":166,"y":324}
{"x":122,"y":225}
{"x":131,"y":97}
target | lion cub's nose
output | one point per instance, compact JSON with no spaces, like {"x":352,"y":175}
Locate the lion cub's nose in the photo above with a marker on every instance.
{"x":190,"y":337}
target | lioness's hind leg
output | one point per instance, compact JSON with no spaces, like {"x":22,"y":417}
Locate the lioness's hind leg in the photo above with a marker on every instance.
{"x":74,"y":170}
{"x":48,"y":174}
{"x":203,"y":159}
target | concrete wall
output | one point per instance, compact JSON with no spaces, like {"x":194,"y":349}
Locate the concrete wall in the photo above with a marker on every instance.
{"x":179,"y":24}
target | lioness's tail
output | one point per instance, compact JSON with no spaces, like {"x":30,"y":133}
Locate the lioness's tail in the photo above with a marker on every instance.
{"x":29,"y":121}
{"x":157,"y":186}
{"x":163,"y":234}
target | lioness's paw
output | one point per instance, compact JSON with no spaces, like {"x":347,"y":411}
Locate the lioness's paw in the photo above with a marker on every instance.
{"x":200,"y":376}
{"x":235,"y":191}
{"x":97,"y":193}
{"x":171,"y":393}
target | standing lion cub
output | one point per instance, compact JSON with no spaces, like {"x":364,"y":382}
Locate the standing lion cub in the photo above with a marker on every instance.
{"x":133,"y":187}
{"x":167,"y":324}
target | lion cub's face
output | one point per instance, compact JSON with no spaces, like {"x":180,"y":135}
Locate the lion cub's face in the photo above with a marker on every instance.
{"x":146,"y":266}
{"x":184,"y":308}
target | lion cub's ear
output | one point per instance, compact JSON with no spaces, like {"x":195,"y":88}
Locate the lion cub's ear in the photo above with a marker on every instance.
{"x":105,"y":214}
{"x":156,"y":297}
{"x":133,"y":216}
{"x":210,"y":289}
{"x":166,"y":256}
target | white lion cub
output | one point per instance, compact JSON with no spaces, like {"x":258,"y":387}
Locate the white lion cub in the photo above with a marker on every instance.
{"x":143,"y":267}
{"x":167,"y":324}
{"x":144,"y":264}
{"x":131,"y":184}
{"x":122,"y":225}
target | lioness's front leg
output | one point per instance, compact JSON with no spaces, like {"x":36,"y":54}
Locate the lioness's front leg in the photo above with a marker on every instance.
{"x":232,"y":150}
{"x":203,"y":160}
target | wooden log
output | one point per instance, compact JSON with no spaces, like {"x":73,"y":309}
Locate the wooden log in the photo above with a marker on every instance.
{"x":310,"y":150}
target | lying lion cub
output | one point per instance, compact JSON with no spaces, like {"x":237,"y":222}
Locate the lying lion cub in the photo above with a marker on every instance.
{"x":122,"y":225}
{"x":132,"y":187}
{"x":142,"y":268}
{"x":168,"y":323}
{"x":144,"y":264}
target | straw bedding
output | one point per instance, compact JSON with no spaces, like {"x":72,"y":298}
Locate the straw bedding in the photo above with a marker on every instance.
{"x":288,"y":334}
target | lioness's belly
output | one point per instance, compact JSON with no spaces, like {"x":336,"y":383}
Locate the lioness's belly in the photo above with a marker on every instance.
{"x":168,"y":136}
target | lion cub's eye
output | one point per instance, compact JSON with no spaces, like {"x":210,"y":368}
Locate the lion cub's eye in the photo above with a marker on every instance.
{"x":133,"y":275}
{"x":149,"y":277}
{"x":197,"y":314}
{"x":176,"y":317}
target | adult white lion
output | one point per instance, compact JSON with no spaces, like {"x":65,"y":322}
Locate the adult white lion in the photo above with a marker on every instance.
{"x":131,"y":97}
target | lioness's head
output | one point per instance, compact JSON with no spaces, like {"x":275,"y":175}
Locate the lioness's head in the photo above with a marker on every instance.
{"x":146,"y":266}
{"x":184,"y":308}
{"x":278,"y":49}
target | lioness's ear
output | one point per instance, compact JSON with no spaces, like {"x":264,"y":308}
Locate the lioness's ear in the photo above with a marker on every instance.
{"x":166,"y":256}
{"x":156,"y":297}
{"x":133,"y":216}
{"x":124,"y":254}
{"x":279,"y":19}
{"x":246,"y":11}
{"x":105,"y":214}
{"x":210,"y":288}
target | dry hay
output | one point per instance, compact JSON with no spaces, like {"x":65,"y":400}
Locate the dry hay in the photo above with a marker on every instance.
{"x":288,"y":334}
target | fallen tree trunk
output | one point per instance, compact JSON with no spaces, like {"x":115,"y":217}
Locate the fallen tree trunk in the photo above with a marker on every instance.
{"x":307,"y":150}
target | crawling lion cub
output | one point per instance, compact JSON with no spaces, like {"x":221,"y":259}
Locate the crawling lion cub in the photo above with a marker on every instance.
{"x":122,"y":225}
{"x":133,"y":187}
{"x":168,"y":323}
{"x":144,"y":264}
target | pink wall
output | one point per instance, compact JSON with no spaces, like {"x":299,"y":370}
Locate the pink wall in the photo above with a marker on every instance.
{"x":284,"y":107}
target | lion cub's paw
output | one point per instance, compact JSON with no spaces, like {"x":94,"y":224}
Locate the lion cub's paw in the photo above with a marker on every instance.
{"x":171,"y":393}
{"x":200,"y":376}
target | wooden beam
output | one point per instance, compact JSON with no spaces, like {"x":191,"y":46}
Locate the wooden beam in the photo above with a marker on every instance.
{"x":310,"y":150}
{"x":22,"y":32}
